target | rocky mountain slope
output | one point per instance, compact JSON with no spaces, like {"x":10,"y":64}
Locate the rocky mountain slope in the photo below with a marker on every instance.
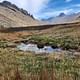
{"x":12,"y":16}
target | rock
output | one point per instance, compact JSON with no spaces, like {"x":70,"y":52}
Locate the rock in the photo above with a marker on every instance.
{"x":40,"y":46}
{"x":77,"y":54}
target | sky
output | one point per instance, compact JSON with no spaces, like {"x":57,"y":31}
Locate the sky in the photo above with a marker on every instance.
{"x":44,"y":9}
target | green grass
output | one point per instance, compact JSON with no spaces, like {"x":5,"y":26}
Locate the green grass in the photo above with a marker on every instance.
{"x":66,"y":42}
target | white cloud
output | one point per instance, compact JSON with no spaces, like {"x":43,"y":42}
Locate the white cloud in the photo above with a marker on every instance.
{"x":32,"y":6}
{"x":56,"y":13}
{"x":68,"y":0}
{"x":68,"y":11}
{"x":77,"y":5}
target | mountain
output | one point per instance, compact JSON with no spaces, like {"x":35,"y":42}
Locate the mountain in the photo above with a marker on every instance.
{"x":61,"y":15}
{"x":12,"y":16}
{"x":62,"y":18}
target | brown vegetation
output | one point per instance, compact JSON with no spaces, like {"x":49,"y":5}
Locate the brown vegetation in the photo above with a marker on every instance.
{"x":17,"y":65}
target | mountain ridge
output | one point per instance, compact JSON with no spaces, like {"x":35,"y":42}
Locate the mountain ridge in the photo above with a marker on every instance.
{"x":9,"y":5}
{"x":12,"y":16}
{"x":64,"y":18}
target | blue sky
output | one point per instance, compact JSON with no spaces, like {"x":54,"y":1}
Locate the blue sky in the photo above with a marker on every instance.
{"x":43,"y":9}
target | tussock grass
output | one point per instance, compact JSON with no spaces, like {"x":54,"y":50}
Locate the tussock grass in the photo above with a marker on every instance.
{"x":17,"y":65}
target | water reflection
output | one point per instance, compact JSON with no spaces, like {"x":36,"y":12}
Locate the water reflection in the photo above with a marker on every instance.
{"x":34,"y":48}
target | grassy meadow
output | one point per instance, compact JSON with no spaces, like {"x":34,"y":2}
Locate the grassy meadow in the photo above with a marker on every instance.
{"x":17,"y":65}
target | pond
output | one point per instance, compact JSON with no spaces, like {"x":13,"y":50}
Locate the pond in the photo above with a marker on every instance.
{"x":34,"y":48}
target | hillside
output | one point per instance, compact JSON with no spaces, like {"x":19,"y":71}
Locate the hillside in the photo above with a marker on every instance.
{"x":12,"y":16}
{"x":62,"y":30}
{"x":55,"y":31}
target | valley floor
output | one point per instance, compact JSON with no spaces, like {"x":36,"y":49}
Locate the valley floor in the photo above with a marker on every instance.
{"x":19,"y":65}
